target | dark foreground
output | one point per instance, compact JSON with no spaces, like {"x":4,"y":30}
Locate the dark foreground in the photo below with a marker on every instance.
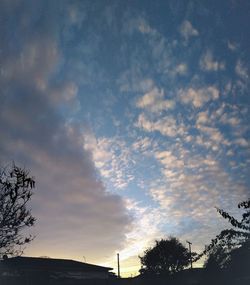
{"x":197,"y":277}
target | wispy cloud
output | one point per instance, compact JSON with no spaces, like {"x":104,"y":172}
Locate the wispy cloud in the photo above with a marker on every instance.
{"x":181,"y":69}
{"x":233,"y":46}
{"x":241,"y":70}
{"x":208,"y":63}
{"x":187,"y":30}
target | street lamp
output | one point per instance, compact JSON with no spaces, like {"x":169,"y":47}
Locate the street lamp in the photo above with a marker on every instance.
{"x":190,"y":253}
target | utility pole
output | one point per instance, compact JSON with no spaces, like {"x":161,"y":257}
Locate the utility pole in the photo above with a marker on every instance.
{"x":118,"y":265}
{"x":190,"y":253}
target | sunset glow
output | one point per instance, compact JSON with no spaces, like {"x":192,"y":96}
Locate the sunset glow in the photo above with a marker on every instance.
{"x":133,"y":117}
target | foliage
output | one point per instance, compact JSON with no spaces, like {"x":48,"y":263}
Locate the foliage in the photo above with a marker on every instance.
{"x":168,"y":256}
{"x":228,"y":265}
{"x":15,"y":191}
{"x":217,"y":259}
{"x":230,"y":250}
{"x":239,"y":261}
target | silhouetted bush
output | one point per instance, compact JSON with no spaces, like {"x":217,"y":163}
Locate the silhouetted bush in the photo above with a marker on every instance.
{"x":15,"y":191}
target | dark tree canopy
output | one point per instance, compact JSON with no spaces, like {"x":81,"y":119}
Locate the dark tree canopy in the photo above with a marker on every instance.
{"x":217,"y":259}
{"x":239,"y":260}
{"x":230,"y":250}
{"x":15,"y":192}
{"x":234,"y":237}
{"x":168,"y":256}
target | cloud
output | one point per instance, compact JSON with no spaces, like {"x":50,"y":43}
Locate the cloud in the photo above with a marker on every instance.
{"x":167,"y":158}
{"x":187,"y":30}
{"x":198,"y":97}
{"x":232,"y":46}
{"x":192,"y":184}
{"x":146,"y":224}
{"x":150,"y":98}
{"x":112,"y":158}
{"x":99,"y":109}
{"x":213,"y":133}
{"x":75,"y":213}
{"x":145,"y":28}
{"x":207,"y":62}
{"x":241,"y":70}
{"x":202,"y":118}
{"x":181,"y":69}
{"x":142,"y":144}
{"x":154,"y":101}
{"x":230,"y":119}
{"x":139,"y":24}
{"x":241,"y":142}
{"x":167,"y":125}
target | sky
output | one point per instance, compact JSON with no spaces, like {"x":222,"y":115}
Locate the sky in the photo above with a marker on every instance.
{"x":133,"y":117}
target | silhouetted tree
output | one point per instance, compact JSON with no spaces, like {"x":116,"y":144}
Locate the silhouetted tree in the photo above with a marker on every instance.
{"x":225,"y":264}
{"x":217,"y":259}
{"x":233,"y":237}
{"x":229,"y":252}
{"x":15,"y":191}
{"x":239,"y":261}
{"x":168,"y":256}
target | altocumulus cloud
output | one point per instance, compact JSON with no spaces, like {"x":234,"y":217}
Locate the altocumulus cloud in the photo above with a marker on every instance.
{"x":76,"y":215}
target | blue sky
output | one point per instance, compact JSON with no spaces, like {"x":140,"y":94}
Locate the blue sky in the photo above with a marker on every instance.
{"x":133,"y":116}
